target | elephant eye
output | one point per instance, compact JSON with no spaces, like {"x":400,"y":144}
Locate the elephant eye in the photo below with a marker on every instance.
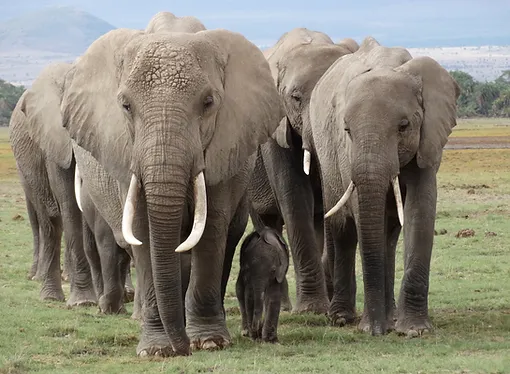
{"x":403,"y":125}
{"x":296,"y":95}
{"x":348,"y":131}
{"x":208,"y":101}
{"x":127,"y":107}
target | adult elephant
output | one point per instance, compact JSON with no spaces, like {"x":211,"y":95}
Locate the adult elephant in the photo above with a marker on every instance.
{"x":174,"y":118}
{"x":280,"y":191}
{"x":45,"y":163}
{"x":102,"y":207}
{"x":379,"y":120}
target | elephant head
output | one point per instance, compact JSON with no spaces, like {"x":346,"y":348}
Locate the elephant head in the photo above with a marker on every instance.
{"x":388,"y":109}
{"x":298,"y":61}
{"x":167,"y":113}
{"x":168,"y":22}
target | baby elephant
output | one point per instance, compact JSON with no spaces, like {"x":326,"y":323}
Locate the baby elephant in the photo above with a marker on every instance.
{"x":263,"y":265}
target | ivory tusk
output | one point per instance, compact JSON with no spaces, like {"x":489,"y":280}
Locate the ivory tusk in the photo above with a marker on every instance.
{"x":200,"y":215}
{"x":306,"y":162}
{"x":129,"y":212}
{"x":342,"y":201}
{"x":77,"y":187}
{"x":398,"y":199}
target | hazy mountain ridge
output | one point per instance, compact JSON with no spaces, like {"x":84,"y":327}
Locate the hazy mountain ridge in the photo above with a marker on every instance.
{"x":34,"y":39}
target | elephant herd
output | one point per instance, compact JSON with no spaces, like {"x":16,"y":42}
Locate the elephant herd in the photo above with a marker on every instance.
{"x":158,"y":141}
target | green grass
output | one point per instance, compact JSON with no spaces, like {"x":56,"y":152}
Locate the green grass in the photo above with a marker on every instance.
{"x":469,"y":300}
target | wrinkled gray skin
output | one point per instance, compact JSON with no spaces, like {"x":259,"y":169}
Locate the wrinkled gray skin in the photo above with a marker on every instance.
{"x":377,"y":114}
{"x":165,"y":107}
{"x":45,"y":164}
{"x":264,"y":261}
{"x":280,"y":191}
{"x":109,"y":263}
{"x":107,"y":251}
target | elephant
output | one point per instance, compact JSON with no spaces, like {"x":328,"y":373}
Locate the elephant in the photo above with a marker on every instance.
{"x":280,"y":190}
{"x":168,"y":22}
{"x":264,"y":261}
{"x":46,"y":165}
{"x":173,"y":119}
{"x":104,"y":250}
{"x":379,"y":120}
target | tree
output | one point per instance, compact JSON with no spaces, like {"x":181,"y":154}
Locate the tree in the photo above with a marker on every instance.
{"x":9,"y":96}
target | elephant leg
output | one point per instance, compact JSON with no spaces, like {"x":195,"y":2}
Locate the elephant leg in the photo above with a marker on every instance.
{"x":49,"y":258}
{"x":129,"y":288}
{"x":62,"y":183}
{"x":419,"y":212}
{"x":328,"y":257}
{"x":235,"y":232}
{"x":342,"y":309}
{"x":34,"y":224}
{"x":113,"y":261}
{"x":90,"y":248}
{"x":295,"y":198}
{"x":240,"y":294}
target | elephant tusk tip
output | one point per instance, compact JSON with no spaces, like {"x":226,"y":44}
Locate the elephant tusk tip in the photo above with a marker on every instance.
{"x":133,"y":241}
{"x":182,"y":250}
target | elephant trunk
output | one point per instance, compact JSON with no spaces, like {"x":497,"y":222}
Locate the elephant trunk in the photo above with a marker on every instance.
{"x":372,"y":175}
{"x":167,"y":163}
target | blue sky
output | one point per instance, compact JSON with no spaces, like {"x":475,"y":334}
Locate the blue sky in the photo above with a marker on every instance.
{"x":395,"y":22}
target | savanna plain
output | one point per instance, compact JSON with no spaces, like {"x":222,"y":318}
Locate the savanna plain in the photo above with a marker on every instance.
{"x":469,"y":294}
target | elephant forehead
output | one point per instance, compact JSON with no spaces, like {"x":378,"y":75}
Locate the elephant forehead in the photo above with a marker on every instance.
{"x":161,"y":63}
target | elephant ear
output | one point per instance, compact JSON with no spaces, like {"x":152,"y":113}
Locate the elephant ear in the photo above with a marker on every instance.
{"x":439,"y":94}
{"x":272,"y":238}
{"x":282,"y":134}
{"x":250,"y":107}
{"x":41,"y":106}
{"x":90,"y":110}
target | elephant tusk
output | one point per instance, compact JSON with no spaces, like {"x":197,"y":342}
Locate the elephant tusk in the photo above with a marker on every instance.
{"x":398,"y":199}
{"x":77,"y":187}
{"x":342,"y":201}
{"x":200,"y":215}
{"x":306,"y":161}
{"x":129,"y":212}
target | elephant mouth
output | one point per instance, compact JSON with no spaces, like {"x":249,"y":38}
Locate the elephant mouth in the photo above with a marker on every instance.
{"x":199,"y":217}
{"x":347,"y":194}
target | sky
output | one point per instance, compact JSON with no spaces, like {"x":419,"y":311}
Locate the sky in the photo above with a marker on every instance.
{"x":393,"y":22}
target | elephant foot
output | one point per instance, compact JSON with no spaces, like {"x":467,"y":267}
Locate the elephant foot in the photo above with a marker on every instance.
{"x":52,"y":295}
{"x":82,"y":298}
{"x":375,"y":328}
{"x":414,"y":327}
{"x":209,"y":334}
{"x":129,"y":294}
{"x":158,"y":344}
{"x":311,"y":306}
{"x":341,"y":318}
{"x":108,"y":305}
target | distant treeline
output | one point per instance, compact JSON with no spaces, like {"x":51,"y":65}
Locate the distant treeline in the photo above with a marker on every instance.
{"x":478,"y":99}
{"x":9,"y":95}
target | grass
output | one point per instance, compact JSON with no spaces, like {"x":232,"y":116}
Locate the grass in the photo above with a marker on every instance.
{"x":469,"y":299}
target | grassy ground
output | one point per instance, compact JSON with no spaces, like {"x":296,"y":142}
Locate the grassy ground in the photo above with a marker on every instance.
{"x":469,"y":298}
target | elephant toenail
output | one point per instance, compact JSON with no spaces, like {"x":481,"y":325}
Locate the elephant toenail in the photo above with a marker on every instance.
{"x":412,"y":334}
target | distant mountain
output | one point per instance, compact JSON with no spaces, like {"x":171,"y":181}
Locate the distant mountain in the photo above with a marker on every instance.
{"x":60,"y":29}
{"x":408,"y":23}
